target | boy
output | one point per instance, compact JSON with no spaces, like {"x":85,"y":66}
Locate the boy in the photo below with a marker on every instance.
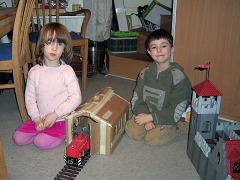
{"x":160,"y":96}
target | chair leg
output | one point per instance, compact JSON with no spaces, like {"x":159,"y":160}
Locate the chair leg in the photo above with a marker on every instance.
{"x":28,"y":54}
{"x":84,"y":65}
{"x":19,"y":91}
{"x":25,"y":71}
{"x":3,"y":167}
{"x":34,"y":60}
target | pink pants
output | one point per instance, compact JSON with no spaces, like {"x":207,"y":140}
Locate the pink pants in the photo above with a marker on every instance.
{"x":45,"y":139}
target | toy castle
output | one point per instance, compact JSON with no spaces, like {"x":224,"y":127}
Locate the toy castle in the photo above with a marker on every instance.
{"x":213,"y":147}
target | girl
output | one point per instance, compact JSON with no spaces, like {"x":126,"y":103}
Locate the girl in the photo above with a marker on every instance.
{"x":52,"y":90}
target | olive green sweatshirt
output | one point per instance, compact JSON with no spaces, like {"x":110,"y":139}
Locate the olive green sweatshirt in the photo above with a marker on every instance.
{"x":163,"y":94}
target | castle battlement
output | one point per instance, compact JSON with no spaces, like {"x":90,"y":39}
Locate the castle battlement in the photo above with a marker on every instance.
{"x":229,"y":129}
{"x":201,"y":142}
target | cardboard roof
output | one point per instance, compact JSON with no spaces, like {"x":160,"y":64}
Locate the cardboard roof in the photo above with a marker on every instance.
{"x":101,"y":106}
{"x":207,"y":88}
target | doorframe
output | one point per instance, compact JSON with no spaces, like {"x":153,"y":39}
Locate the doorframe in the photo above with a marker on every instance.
{"x":174,"y":14}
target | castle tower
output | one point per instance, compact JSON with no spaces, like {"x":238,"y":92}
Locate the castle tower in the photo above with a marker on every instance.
{"x":206,"y":102}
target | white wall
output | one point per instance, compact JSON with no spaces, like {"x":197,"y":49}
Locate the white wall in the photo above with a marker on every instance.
{"x":132,"y":5}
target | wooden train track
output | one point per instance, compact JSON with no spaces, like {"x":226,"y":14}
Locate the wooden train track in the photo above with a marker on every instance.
{"x":70,"y":172}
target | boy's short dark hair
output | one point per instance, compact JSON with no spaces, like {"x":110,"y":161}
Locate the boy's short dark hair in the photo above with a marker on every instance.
{"x":159,"y":34}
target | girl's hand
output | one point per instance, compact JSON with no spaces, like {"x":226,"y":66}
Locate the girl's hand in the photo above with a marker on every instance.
{"x":149,"y":125}
{"x":49,"y":120}
{"x":143,"y":118}
{"x":38,"y":124}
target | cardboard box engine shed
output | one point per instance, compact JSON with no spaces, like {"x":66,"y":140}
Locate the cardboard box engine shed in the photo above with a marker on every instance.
{"x":106,"y":114}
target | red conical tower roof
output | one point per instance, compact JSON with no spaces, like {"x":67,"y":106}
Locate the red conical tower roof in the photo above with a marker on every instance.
{"x":207,"y":88}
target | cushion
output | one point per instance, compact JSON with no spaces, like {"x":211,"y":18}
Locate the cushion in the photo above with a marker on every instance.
{"x":75,"y":36}
{"x":5,"y":51}
{"x":33,"y":36}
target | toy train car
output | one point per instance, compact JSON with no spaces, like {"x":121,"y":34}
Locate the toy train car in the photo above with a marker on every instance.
{"x":79,"y":149}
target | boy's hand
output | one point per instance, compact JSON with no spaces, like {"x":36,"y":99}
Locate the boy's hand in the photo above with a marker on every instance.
{"x":143,"y":118}
{"x":149,"y":125}
{"x":49,"y":119}
{"x":38,"y":124}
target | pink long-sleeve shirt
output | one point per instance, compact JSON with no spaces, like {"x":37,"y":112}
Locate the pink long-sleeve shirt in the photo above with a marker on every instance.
{"x":52,"y":89}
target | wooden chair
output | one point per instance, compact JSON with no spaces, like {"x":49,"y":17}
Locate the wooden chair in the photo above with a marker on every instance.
{"x":52,"y":14}
{"x":13,"y":56}
{"x":3,"y":167}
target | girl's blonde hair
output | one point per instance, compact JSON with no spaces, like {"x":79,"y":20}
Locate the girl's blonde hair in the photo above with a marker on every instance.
{"x":51,"y":32}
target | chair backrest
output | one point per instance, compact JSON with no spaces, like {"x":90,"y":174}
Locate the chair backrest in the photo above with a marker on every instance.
{"x":42,"y":11}
{"x":20,"y":32}
{"x":45,"y":12}
{"x":87,"y":16}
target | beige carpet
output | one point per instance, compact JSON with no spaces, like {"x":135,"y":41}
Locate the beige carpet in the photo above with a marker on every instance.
{"x":130,"y":160}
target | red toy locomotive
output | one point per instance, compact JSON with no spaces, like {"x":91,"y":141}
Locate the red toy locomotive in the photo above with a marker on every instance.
{"x":78,"y":151}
